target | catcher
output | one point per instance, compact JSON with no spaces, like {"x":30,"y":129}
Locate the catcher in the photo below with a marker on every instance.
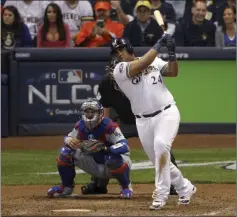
{"x":97,"y":146}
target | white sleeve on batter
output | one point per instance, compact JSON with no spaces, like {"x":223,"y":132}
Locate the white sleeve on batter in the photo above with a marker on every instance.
{"x":162,"y":65}
{"x":121,"y":72}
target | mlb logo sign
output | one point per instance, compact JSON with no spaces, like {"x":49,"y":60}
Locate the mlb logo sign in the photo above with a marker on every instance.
{"x":70,"y":76}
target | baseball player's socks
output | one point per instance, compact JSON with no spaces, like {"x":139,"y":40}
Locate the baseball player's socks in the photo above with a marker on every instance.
{"x":66,"y":167}
{"x":120,"y":171}
{"x":122,"y":175}
{"x":67,"y":174}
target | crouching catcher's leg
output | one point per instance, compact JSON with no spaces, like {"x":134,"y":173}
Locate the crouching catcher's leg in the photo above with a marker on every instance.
{"x":120,"y":170}
{"x":67,"y":173}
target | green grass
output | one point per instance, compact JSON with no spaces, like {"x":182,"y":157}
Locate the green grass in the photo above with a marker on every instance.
{"x":204,"y":89}
{"x":20,"y":167}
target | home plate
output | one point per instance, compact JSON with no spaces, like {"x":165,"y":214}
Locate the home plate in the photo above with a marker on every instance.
{"x":71,"y":210}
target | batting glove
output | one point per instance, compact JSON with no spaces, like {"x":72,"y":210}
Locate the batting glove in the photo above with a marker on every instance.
{"x":170,"y":44}
{"x":161,"y":42}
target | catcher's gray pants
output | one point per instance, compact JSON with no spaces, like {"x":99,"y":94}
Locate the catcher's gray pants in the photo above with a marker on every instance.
{"x":88,"y":164}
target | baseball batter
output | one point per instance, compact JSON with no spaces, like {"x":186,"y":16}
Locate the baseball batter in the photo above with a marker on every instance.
{"x":110,"y":160}
{"x":157,"y":116}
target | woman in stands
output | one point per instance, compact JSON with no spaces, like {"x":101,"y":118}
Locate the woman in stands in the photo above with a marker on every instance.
{"x":226,"y":33}
{"x":54,"y":32}
{"x":14,"y":33}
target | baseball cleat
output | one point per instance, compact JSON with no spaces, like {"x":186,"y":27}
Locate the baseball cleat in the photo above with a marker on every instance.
{"x":185,"y":200}
{"x":126,"y":193}
{"x":156,"y":205}
{"x":59,"y":191}
{"x":86,"y":189}
{"x":172,"y":190}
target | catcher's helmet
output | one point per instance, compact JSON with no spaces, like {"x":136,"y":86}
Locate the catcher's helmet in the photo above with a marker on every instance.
{"x":121,"y":43}
{"x":92,"y":113}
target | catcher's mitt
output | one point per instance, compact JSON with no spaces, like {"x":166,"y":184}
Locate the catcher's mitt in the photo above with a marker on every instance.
{"x":92,"y":146}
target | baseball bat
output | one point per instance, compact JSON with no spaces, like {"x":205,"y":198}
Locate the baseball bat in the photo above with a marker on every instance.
{"x":159,"y":19}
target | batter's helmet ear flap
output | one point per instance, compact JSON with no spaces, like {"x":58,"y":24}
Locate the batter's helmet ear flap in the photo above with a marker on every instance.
{"x":129,"y":47}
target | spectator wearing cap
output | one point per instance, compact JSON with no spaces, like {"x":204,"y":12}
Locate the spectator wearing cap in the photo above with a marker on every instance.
{"x":101,"y":31}
{"x":198,"y":31}
{"x":143,"y":30}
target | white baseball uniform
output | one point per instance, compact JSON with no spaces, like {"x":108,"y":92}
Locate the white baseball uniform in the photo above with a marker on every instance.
{"x":74,"y":16}
{"x":32,"y":13}
{"x":148,"y":94}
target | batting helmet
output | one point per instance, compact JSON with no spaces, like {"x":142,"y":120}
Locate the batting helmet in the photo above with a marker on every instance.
{"x":121,"y":43}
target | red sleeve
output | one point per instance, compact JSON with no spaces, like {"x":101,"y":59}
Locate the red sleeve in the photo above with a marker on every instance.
{"x":119,"y":30}
{"x":111,"y":127}
{"x":84,"y":33}
{"x":68,"y":42}
{"x":39,"y":37}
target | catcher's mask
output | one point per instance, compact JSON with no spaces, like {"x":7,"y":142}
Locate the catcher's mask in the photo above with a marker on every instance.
{"x":92,"y":113}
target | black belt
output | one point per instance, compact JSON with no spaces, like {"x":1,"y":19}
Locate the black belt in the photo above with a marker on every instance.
{"x":153,"y":114}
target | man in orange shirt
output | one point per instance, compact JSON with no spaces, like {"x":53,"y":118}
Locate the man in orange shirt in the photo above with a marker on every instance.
{"x":100,"y":32}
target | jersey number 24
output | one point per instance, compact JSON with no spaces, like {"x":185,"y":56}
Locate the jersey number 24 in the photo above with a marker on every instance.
{"x":156,"y":79}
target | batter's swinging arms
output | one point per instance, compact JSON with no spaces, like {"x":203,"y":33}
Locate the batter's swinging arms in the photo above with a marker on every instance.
{"x":157,"y":116}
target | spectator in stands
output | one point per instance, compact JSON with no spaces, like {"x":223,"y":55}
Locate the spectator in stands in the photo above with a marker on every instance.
{"x":122,"y":11}
{"x":211,"y":9}
{"x":167,"y":12}
{"x":179,"y":7}
{"x":100,"y":32}
{"x":220,"y":10}
{"x":75,"y":12}
{"x":198,"y":31}
{"x":143,"y":30}
{"x":32,"y":12}
{"x":14,"y":33}
{"x":54,"y":32}
{"x":226,"y":33}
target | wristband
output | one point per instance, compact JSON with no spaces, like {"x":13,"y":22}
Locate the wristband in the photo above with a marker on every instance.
{"x":157,"y":46}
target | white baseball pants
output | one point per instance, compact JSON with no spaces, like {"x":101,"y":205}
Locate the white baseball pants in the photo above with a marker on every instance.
{"x":157,"y":134}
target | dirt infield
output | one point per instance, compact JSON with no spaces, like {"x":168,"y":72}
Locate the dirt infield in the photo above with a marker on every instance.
{"x":210,"y":200}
